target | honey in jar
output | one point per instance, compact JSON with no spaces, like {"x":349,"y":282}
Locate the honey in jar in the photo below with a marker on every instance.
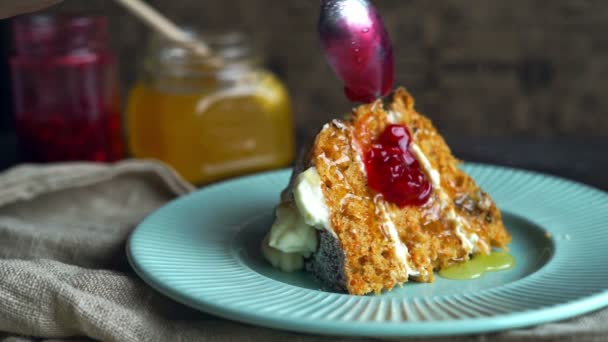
{"x":210,"y":120}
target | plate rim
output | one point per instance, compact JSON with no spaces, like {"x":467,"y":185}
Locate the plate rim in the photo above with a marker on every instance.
{"x":433,"y":328}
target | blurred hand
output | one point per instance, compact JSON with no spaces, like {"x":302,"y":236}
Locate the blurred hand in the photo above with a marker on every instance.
{"x":9,"y":8}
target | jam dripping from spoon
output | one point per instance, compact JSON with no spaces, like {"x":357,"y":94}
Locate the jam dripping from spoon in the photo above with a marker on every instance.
{"x":357,"y":47}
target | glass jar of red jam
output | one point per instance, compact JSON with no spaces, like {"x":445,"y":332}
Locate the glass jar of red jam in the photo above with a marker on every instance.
{"x":65,"y":90}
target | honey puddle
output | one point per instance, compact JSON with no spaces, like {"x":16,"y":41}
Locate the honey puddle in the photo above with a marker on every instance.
{"x":478,"y":265}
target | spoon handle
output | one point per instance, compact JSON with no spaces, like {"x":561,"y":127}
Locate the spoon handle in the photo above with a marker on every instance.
{"x":164,"y":26}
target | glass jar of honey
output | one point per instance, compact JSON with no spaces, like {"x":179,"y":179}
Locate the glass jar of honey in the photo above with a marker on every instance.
{"x":210,"y":120}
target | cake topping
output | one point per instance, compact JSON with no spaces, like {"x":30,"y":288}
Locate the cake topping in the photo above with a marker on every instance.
{"x":393,"y":171}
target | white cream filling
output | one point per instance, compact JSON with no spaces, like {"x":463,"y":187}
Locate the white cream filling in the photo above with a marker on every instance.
{"x":310,"y":201}
{"x":286,"y":262}
{"x":292,"y":236}
{"x":426,"y":165}
{"x":289,"y":232}
{"x":400,"y":248}
{"x":469,"y":240}
{"x":393,"y":117}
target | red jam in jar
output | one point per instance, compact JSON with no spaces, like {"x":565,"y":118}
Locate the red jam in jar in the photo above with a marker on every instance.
{"x":393,"y":171}
{"x":65,"y":90}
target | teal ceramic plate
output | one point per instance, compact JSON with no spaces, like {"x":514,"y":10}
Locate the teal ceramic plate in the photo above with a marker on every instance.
{"x":203,"y":250}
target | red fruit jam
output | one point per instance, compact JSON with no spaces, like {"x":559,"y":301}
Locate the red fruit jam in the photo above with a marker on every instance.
{"x":393,"y":171}
{"x":66,"y":90}
{"x":60,"y":137}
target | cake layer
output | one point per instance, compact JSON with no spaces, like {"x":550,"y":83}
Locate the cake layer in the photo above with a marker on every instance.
{"x":375,"y":258}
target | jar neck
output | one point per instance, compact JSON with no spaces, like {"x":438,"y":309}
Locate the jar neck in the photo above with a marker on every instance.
{"x":49,"y":35}
{"x":235,"y":51}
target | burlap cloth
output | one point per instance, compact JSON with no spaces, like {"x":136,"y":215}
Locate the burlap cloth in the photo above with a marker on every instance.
{"x":63,"y":271}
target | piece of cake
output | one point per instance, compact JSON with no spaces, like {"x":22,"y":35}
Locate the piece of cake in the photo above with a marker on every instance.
{"x":378,"y":200}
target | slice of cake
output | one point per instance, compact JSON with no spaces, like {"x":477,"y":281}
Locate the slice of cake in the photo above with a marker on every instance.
{"x":378,"y":200}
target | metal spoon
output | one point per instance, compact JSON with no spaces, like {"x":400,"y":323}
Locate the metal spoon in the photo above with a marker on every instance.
{"x":358,"y":48}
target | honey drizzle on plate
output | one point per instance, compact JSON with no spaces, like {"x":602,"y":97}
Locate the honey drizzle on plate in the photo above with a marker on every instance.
{"x":478,"y":265}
